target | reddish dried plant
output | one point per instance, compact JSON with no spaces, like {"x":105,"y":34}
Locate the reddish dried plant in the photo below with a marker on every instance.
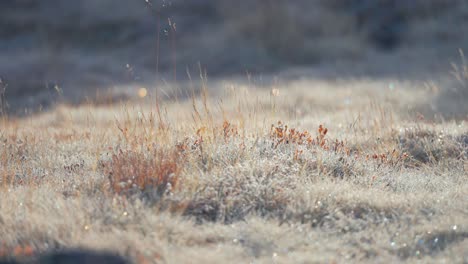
{"x":282,"y":135}
{"x":132,"y":170}
{"x":229,"y":130}
{"x":322,"y":132}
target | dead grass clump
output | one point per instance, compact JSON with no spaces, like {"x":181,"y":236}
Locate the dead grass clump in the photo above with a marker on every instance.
{"x":370,"y":213}
{"x":245,"y":189}
{"x":206,"y":148}
{"x":339,"y":167}
{"x":233,"y":208}
{"x":203,"y":210}
{"x":333,"y":157}
{"x":281,"y":134}
{"x":429,"y":147}
{"x":236,"y":203}
{"x":151,"y":174}
{"x":14,"y":154}
{"x":344,"y":218}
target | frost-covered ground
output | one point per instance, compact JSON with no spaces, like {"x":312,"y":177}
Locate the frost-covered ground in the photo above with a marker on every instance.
{"x":239,"y":173}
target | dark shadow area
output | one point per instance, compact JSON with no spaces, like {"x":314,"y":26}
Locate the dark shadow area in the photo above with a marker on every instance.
{"x":54,"y":50}
{"x":70,"y":257}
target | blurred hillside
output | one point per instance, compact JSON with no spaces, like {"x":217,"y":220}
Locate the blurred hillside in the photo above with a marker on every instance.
{"x":88,"y":44}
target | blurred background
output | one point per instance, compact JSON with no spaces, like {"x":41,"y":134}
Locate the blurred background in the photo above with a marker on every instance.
{"x":74,"y":49}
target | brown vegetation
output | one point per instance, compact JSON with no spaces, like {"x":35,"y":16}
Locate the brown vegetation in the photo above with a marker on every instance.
{"x":220,"y":178}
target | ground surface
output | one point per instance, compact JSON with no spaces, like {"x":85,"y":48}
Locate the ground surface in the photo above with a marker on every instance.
{"x":297,"y":171}
{"x":324,"y":131}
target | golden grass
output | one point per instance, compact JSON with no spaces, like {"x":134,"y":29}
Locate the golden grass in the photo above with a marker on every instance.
{"x":349,"y":174}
